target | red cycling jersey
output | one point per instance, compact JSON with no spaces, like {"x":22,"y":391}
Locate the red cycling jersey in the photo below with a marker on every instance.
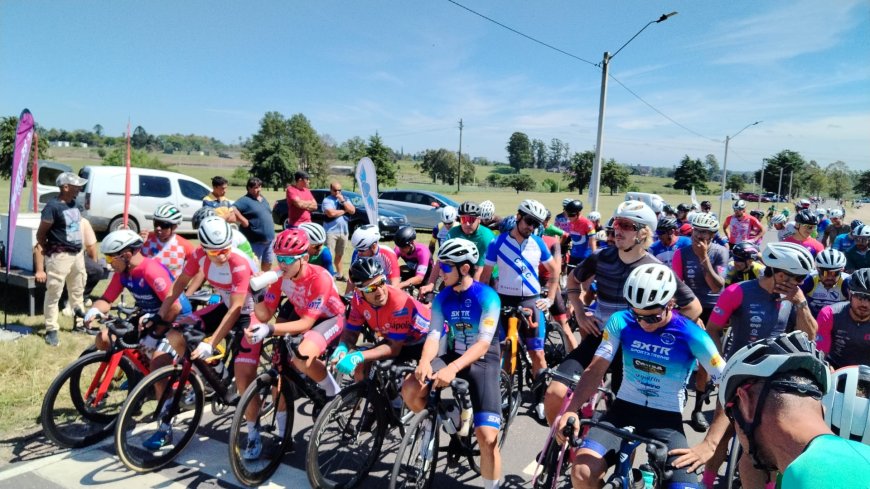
{"x":402,"y":318}
{"x":313,"y":294}
{"x":233,"y":277}
{"x":746,"y":229}
{"x":149,"y":282}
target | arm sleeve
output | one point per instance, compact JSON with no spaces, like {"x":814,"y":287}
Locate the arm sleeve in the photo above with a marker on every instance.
{"x":326,"y":259}
{"x":437,"y":323}
{"x":158,"y":279}
{"x":423,"y":258}
{"x":826,"y":326}
{"x":240,"y":272}
{"x":394,"y":265}
{"x":191,"y":265}
{"x":273,"y":296}
{"x":728,"y":302}
{"x":610,"y":337}
{"x":677,"y":263}
{"x":684,"y":294}
{"x":47,"y":213}
{"x":704,"y":350}
{"x":490,"y":309}
{"x":492,"y":251}
{"x":720,"y":261}
{"x":587,"y":267}
{"x":328,"y":203}
{"x":355,"y":319}
{"x":545,"y":251}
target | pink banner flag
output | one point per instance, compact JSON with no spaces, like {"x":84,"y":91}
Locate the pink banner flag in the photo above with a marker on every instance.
{"x":23,"y":141}
{"x":127,"y":181}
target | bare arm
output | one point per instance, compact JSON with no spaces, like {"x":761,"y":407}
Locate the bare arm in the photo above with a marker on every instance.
{"x":486,"y":274}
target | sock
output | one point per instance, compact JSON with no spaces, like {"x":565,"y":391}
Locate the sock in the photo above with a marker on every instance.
{"x":709,"y":478}
{"x":699,"y":399}
{"x":770,"y":485}
{"x":488,"y":484}
{"x":253,"y":432}
{"x":281,"y":419}
{"x":329,"y":385}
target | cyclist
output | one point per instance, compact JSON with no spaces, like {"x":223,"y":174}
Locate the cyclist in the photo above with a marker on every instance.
{"x":707,"y":208}
{"x":487,"y":215}
{"x":660,"y":349}
{"x":417,"y":258}
{"x":163,"y":244}
{"x":744,"y":265}
{"x":518,"y":254}
{"x":470,"y":229}
{"x":548,"y":229}
{"x":740,"y":227}
{"x":828,"y":284}
{"x":824,"y":222}
{"x":683,"y":213}
{"x":857,"y":256}
{"x":668,"y":240}
{"x":847,"y":407}
{"x":313,"y":309}
{"x":836,"y":228}
{"x":778,"y":222}
{"x":399,"y":321}
{"x":845,"y":241}
{"x":595,"y":218}
{"x":365,"y":243}
{"x":843,"y":334}
{"x":470,"y":311}
{"x":805,"y":225}
{"x":240,"y":243}
{"x":772,"y":391}
{"x":581,"y":233}
{"x":558,"y":310}
{"x":318,"y":252}
{"x":561,"y":220}
{"x":439,"y":232}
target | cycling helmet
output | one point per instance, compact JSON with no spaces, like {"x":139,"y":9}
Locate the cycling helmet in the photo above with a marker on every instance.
{"x":316,"y":233}
{"x":831,"y":259}
{"x":789,"y":230}
{"x":855,"y":223}
{"x":837,"y":213}
{"x":487,"y":210}
{"x":405,"y":236}
{"x":469,"y":208}
{"x":847,"y":411}
{"x":862,"y":231}
{"x":601,"y":235}
{"x":804,"y":204}
{"x":533,"y":208}
{"x":668,"y":209}
{"x":291,"y":242}
{"x":448,"y":214}
{"x":656,"y":205}
{"x":118,"y":241}
{"x":574,"y":207}
{"x":686,"y":229}
{"x":778,"y":219}
{"x":756,"y":213}
{"x":215,"y":233}
{"x":860,"y":281}
{"x":507,"y":224}
{"x":704,"y":222}
{"x":638,"y":212}
{"x":566,"y":201}
{"x":458,"y":251}
{"x":594,"y":216}
{"x":200,"y":215}
{"x":683,"y":208}
{"x":739,"y":205}
{"x":364,"y":237}
{"x":364,"y":269}
{"x":821,"y":212}
{"x":649,"y":286}
{"x":168,"y":213}
{"x":666,"y":224}
{"x":609,"y":225}
{"x":790,"y":257}
{"x":806,"y":217}
{"x":745,"y":250}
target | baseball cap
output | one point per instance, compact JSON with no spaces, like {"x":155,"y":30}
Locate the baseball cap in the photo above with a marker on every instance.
{"x":301,"y":175}
{"x":69,"y":178}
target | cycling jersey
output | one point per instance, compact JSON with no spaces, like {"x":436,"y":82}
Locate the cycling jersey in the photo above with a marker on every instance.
{"x":780,"y":234}
{"x":242,"y":246}
{"x":733,"y":276}
{"x":149,"y":283}
{"x":664,"y":253}
{"x":746,"y":229}
{"x":481,"y":238}
{"x":555,"y":249}
{"x":823,"y":224}
{"x":171,"y":254}
{"x":818,"y":296}
{"x":840,"y":463}
{"x":811,"y":244}
{"x":687,"y":267}
{"x":856,"y":259}
{"x":439,"y":235}
{"x":470,"y":316}
{"x":657,"y":364}
{"x":844,"y":340}
{"x":754,"y":313}
{"x":561,"y":221}
{"x":387,"y":259}
{"x":402,"y":318}
{"x":232,"y":277}
{"x":312,"y":294}
{"x":843,"y":242}
{"x":832,"y":231}
{"x":518,"y":263}
{"x":580,"y":231}
{"x":420,"y":259}
{"x":323,"y":259}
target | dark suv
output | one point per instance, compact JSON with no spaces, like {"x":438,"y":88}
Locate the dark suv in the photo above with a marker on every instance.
{"x":388,"y":221}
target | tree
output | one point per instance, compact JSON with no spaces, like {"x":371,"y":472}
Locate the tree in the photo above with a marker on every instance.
{"x":98,"y":130}
{"x":615,"y":176}
{"x":7,"y":147}
{"x":381,"y":156}
{"x":270,"y":152}
{"x":539,"y":154}
{"x":519,"y":151}
{"x":352,"y":150}
{"x":690,"y":173}
{"x":811,"y":179}
{"x":712,"y":166}
{"x":306,"y":145}
{"x":862,"y":185}
{"x":790,"y":161}
{"x":558,"y":153}
{"x":579,"y":171}
{"x":138,"y":158}
{"x":139,"y":139}
{"x":439,"y":164}
{"x":735,"y":182}
{"x":519,"y":182}
{"x":839,"y":178}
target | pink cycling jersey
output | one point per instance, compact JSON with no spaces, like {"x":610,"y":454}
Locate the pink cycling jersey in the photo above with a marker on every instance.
{"x":746,"y":229}
{"x":313,"y":294}
{"x":172,"y":253}
{"x":402,"y":318}
{"x":388,"y":260}
{"x":418,"y":259}
{"x":811,"y":244}
{"x":230,"y":278}
{"x":149,"y":282}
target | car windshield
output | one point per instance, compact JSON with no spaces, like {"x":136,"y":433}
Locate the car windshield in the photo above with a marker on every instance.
{"x":450,"y":202}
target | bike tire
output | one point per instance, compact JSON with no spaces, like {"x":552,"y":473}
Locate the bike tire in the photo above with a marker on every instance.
{"x":140,"y":416}
{"x":353,"y":415}
{"x":732,"y":478}
{"x":555,"y":344}
{"x":410,"y":469}
{"x":256,"y":472}
{"x":546,"y":478}
{"x":510,"y":404}
{"x":75,"y":422}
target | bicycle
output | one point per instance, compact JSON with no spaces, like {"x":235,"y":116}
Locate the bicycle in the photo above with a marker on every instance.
{"x":95,"y":396}
{"x":276,"y":389}
{"x":347,"y":438}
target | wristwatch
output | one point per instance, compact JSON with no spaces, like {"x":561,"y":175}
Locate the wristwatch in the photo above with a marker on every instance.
{"x":802,"y":304}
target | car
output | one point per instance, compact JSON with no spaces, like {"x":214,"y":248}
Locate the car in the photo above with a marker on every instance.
{"x":420,"y":206}
{"x":389,"y":221}
{"x":749,"y":196}
{"x":46,"y":187}
{"x":863,"y":200}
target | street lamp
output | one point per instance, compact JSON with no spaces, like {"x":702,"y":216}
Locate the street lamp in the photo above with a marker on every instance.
{"x":725,"y":164}
{"x":605,"y":68}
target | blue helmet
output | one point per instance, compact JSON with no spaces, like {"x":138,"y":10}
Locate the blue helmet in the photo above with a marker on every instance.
{"x":507,"y":224}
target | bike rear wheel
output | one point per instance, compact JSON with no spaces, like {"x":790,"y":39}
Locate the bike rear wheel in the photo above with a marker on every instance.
{"x":417,"y":456}
{"x":546,"y":478}
{"x":732,"y":478}
{"x":555,"y":344}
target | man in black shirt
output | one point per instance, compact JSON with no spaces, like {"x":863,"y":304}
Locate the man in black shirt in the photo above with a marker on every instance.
{"x":256,"y":222}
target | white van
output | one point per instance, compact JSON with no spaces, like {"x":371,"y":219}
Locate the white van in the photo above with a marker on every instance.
{"x":46,"y":186}
{"x":646,"y":198}
{"x":104,"y":196}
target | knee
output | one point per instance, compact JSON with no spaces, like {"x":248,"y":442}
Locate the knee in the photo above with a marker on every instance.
{"x":585,"y":475}
{"x":487,"y":438}
{"x":556,"y":392}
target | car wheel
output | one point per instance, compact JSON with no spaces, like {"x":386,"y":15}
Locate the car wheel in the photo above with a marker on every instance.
{"x":118,"y":223}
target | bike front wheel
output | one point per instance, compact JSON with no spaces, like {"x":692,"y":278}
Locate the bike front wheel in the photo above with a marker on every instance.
{"x":417,"y":456}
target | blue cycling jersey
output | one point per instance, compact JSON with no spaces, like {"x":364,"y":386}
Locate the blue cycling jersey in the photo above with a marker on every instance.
{"x":518,"y":264}
{"x":323,"y":259}
{"x":666,"y":253}
{"x":470,"y":316}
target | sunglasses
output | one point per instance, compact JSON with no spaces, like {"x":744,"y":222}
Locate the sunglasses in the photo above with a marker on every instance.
{"x":468,"y":219}
{"x":830,"y":273}
{"x":445,"y":267}
{"x":530,"y":221}
{"x":808,"y":226}
{"x":369,"y":289}
{"x":861,"y":240}
{"x":649,"y":318}
{"x":626,"y":225}
{"x":798,"y":278}
{"x":288,"y":260}
{"x":223,"y":252}
{"x":110,"y":258}
{"x":163,"y":225}
{"x":567,"y":214}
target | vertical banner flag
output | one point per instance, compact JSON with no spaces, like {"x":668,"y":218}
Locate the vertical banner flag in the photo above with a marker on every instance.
{"x":23,"y":141}
{"x":127,"y":180}
{"x":35,"y":178}
{"x":695,"y":197}
{"x":368,"y":187}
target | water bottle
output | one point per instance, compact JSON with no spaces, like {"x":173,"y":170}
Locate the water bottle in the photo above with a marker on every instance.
{"x":452,"y":419}
{"x":465,"y":421}
{"x":264,"y":280}
{"x":649,"y":476}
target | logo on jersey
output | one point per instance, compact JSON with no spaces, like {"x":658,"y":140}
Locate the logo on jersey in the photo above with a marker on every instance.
{"x":467,"y":302}
{"x":667,"y":338}
{"x":401,"y":312}
{"x":649,"y":367}
{"x":716,"y":361}
{"x":605,"y":336}
{"x":489,"y":322}
{"x":654,"y":349}
{"x":717,"y":310}
{"x":367,"y":315}
{"x":315,"y":304}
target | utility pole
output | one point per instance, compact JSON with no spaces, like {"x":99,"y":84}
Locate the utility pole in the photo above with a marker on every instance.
{"x":779,"y":190}
{"x":790,"y":181}
{"x":761,"y":183}
{"x":459,"y":158}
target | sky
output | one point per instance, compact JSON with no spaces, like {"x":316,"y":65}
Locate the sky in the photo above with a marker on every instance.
{"x":410,"y":70}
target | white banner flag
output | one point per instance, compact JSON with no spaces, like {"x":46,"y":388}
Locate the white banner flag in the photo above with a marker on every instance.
{"x":695,"y":198}
{"x":367,"y":179}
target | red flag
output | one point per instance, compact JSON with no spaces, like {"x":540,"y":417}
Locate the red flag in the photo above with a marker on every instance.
{"x":127,"y":181}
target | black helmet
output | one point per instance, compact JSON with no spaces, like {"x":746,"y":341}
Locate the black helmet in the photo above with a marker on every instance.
{"x":469,"y":208}
{"x":855,"y":223}
{"x":666,"y":224}
{"x":201,"y":214}
{"x":860,"y":281}
{"x":745,"y":250}
{"x":683,"y":208}
{"x":574,"y":207}
{"x":609,"y":225}
{"x":405,"y":236}
{"x":668,"y":209}
{"x":706,"y":204}
{"x":364,"y":269}
{"x":805,"y":216}
{"x":756,"y":213}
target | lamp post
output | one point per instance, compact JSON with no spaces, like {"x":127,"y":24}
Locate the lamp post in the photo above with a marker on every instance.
{"x":605,"y":69}
{"x":725,"y":164}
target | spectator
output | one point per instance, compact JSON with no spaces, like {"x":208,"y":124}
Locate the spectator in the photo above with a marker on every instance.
{"x":94,"y":271}
{"x":300,"y":202}
{"x":60,"y":237}
{"x":336,"y":208}
{"x":256,"y":222}
{"x":218,"y":200}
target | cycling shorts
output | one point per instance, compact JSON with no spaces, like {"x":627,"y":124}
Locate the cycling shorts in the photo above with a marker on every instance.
{"x":558,"y":310}
{"x":212,"y":316}
{"x":534,"y":337}
{"x":483,"y":378}
{"x":323,"y":333}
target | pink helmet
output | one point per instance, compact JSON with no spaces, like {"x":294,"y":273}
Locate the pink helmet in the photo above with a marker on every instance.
{"x":291,"y":242}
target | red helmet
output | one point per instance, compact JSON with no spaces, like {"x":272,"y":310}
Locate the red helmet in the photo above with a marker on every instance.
{"x":291,"y":242}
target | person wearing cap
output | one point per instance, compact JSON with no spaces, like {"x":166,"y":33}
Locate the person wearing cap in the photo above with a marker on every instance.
{"x":300,"y":202}
{"x":60,"y":237}
{"x":337,"y":207}
{"x":256,"y":222}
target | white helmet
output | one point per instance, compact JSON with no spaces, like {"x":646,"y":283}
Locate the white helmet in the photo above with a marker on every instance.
{"x":594,"y":216}
{"x":365,"y":236}
{"x":169,"y":213}
{"x":601,"y":235}
{"x":862,"y":231}
{"x":704,"y":222}
{"x":847,"y":412}
{"x":739,"y":204}
{"x":638,"y":212}
{"x":316,"y":233}
{"x":650,"y":286}
{"x":790,"y":257}
{"x":821,"y":212}
{"x":778,"y":219}
{"x":215,"y":233}
{"x":566,"y":201}
{"x":533,"y":208}
{"x":831,"y":259}
{"x":837,"y":213}
{"x":458,"y":251}
{"x":117,"y":241}
{"x":657,"y":205}
{"x":487,"y":210}
{"x":448,"y":214}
